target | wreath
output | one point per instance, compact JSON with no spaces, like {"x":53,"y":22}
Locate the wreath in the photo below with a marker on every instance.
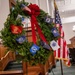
{"x":14,"y":32}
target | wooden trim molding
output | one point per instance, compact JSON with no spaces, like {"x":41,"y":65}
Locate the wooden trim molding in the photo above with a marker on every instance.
{"x":69,"y":45}
{"x":5,"y":57}
{"x":12,"y":3}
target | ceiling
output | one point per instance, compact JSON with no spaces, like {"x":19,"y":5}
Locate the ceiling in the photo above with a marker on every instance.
{"x":67,"y":11}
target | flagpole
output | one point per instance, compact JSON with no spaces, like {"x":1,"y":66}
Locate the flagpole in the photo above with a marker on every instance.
{"x":55,"y":6}
{"x":61,"y":67}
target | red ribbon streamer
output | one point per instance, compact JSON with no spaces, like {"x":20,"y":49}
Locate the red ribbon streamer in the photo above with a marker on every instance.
{"x":35,"y":11}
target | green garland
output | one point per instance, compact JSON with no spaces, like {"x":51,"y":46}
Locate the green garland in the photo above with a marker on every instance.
{"x":23,"y":49}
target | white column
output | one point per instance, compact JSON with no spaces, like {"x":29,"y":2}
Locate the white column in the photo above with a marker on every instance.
{"x":31,"y":1}
{"x":48,"y":9}
{"x":51,"y":8}
{"x":43,"y":5}
{"x":37,"y":2}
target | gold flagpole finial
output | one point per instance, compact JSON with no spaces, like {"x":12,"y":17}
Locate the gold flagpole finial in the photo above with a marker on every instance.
{"x":55,"y":6}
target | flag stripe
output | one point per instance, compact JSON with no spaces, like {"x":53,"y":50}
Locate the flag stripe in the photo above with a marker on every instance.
{"x":58,"y":49}
{"x":61,"y":42}
{"x":64,"y":50}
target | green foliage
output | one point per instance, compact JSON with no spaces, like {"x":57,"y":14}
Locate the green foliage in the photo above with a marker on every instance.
{"x":23,"y":49}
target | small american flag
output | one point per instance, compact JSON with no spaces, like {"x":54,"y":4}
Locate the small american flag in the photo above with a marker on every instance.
{"x":62,"y":52}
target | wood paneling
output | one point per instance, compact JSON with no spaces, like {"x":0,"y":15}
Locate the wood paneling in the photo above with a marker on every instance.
{"x":39,"y":69}
{"x":5,"y":58}
{"x":69,"y":45}
{"x":2,"y":51}
{"x":29,"y":34}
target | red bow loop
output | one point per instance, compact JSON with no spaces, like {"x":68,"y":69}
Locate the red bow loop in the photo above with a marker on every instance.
{"x":35,"y":10}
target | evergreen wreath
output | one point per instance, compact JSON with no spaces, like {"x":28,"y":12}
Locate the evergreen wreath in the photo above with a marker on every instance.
{"x":22,"y":49}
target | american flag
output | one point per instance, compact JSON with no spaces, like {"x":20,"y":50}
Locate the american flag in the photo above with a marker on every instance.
{"x":62,"y":52}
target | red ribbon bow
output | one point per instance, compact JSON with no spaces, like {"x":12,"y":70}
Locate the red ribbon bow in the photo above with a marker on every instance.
{"x":35,"y":11}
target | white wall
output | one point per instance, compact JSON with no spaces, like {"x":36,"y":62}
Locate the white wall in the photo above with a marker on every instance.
{"x":4,"y":11}
{"x":68,"y":32}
